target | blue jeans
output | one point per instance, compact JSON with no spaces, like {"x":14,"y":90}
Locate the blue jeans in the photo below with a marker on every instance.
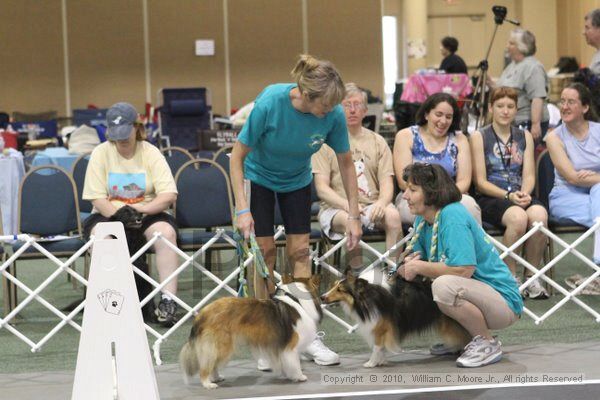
{"x":580,"y":205}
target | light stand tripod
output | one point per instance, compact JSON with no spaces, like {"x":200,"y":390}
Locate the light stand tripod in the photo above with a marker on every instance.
{"x":479,"y":104}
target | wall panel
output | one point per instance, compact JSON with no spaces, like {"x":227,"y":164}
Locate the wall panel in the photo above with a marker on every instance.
{"x":546,"y":35}
{"x":265,"y":39}
{"x":348,"y":33}
{"x":106,"y":52}
{"x":174,"y":26}
{"x":106,"y":44}
{"x":32,"y":67}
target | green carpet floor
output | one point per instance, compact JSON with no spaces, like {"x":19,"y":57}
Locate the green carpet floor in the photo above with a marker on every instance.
{"x":570,"y":324}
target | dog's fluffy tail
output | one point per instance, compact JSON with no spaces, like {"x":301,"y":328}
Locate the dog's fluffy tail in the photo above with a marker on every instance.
{"x":188,"y":360}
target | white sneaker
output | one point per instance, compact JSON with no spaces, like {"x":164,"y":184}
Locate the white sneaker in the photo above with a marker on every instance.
{"x":319,"y":353}
{"x":480,"y":352}
{"x":262,"y":364}
{"x":535,"y":290}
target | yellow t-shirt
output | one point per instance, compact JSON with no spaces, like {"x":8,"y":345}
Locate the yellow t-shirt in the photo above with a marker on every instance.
{"x":138,"y":180}
{"x":372,"y":160}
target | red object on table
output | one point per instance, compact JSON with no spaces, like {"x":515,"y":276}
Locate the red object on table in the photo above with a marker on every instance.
{"x":10,"y":138}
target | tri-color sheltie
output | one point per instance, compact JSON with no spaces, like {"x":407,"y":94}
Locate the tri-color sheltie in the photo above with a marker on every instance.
{"x":386,"y":317}
{"x":278,"y":329}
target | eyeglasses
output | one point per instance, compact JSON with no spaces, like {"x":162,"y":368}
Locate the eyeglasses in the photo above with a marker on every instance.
{"x":353,"y":105}
{"x":569,"y":102}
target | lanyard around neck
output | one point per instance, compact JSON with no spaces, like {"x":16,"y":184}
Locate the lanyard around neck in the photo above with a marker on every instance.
{"x":506,"y":155}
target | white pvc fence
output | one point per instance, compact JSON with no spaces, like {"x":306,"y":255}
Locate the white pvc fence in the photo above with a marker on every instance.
{"x":381,"y":260}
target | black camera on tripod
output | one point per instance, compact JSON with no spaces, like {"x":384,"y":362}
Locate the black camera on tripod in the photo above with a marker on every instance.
{"x":499,"y":14}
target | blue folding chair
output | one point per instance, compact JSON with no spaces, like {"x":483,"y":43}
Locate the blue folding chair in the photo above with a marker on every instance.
{"x":79,"y":170}
{"x":48,"y":206}
{"x":183,"y":114}
{"x":208,"y":154}
{"x":204,"y":202}
{"x":222,"y":158}
{"x":176,"y":157}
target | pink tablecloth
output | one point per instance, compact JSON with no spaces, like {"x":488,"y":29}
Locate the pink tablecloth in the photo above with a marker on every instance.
{"x":419,"y":87}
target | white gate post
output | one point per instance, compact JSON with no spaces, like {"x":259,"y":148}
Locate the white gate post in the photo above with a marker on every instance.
{"x":114,"y":357}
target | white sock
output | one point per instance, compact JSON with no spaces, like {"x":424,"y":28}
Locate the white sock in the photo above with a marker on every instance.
{"x":165,"y":296}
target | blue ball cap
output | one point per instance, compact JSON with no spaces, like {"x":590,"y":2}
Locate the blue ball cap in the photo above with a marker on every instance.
{"x":120,"y":118}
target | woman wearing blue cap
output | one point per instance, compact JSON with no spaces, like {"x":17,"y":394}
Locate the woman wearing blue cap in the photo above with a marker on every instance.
{"x":289,"y":123}
{"x":127,"y":170}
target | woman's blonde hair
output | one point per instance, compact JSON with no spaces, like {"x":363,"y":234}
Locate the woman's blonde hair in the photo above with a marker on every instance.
{"x":140,"y":131}
{"x":319,"y":80}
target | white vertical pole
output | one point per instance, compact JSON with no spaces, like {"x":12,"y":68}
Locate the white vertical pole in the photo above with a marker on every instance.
{"x":65,"y":37}
{"x":147,"y":52}
{"x":226,"y":45}
{"x":305,"y":26}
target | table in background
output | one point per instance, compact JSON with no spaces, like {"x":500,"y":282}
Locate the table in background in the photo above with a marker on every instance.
{"x":55,"y":156}
{"x":419,"y":87}
{"x":12,"y":170}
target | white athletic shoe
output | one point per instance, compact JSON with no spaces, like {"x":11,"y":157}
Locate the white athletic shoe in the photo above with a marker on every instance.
{"x":319,"y":353}
{"x":480,"y":352}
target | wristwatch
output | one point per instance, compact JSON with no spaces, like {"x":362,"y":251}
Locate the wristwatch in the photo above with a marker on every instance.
{"x":507,"y":195}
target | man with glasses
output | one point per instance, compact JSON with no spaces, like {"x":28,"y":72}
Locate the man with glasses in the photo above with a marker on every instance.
{"x":374,"y":169}
{"x":591,"y":32}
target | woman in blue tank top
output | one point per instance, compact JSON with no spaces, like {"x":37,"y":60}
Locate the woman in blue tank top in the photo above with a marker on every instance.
{"x":435,"y":140}
{"x":574,"y":147}
{"x":504,"y":174}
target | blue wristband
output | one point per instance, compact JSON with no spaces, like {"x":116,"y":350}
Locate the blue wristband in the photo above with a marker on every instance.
{"x":244,"y":211}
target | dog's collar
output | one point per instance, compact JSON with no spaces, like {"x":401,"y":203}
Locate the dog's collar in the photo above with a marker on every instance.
{"x":279,"y":292}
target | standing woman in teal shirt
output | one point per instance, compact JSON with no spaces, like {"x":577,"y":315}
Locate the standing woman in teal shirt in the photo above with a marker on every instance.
{"x":471,"y":284}
{"x":290,"y":122}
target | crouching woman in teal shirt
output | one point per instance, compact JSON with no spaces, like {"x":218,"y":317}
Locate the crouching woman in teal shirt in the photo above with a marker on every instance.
{"x":471,"y":284}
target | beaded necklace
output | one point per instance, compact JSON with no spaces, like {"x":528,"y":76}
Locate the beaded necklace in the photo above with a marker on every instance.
{"x":415,"y":238}
{"x":434,"y":237}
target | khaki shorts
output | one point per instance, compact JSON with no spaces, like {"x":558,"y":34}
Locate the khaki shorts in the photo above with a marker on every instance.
{"x":326,"y":220}
{"x":453,"y":290}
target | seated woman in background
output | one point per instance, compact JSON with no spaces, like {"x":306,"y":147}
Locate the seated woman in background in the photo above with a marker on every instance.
{"x":434,"y":140}
{"x":471,"y":284}
{"x":504,"y":176}
{"x":127,"y":170}
{"x":574,"y":147}
{"x":452,"y":62}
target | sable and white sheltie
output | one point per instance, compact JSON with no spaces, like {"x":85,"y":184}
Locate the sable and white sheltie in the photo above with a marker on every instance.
{"x":386,"y":317}
{"x":278,"y":329}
